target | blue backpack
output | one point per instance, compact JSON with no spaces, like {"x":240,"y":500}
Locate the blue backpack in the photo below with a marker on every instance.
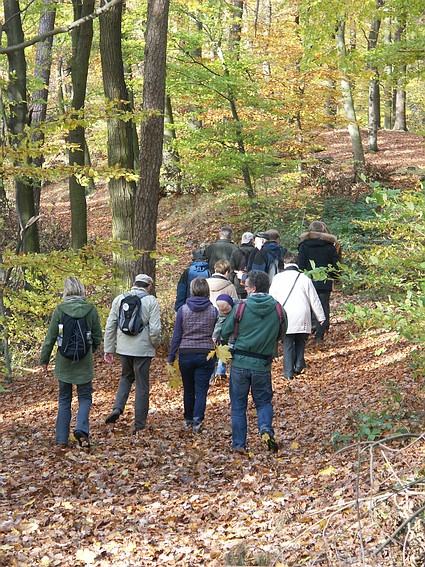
{"x":197,"y":269}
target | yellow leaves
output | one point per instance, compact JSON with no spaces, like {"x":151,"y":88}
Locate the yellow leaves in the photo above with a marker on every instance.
{"x":222,"y":352}
{"x":174,"y":371}
{"x":328,"y":471}
{"x":295,"y":445}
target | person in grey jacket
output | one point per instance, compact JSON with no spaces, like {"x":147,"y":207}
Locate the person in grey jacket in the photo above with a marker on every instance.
{"x":135,"y":351}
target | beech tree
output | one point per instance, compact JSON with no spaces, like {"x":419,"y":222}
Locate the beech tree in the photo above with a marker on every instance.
{"x":152,"y":133}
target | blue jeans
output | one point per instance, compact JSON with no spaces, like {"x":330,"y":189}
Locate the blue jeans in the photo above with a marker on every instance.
{"x":293,"y":354}
{"x":221,"y":368}
{"x":134,"y":368}
{"x":260,"y":383}
{"x":63,"y":419}
{"x":196,"y":372}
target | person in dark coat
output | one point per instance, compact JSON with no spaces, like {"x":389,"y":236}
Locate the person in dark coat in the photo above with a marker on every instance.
{"x":198,"y":268}
{"x":266,"y":257}
{"x":222,"y":248}
{"x":322,"y":248}
{"x":239,"y":262}
{"x":69,"y":372}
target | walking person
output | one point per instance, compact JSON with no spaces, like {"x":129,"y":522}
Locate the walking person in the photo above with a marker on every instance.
{"x":255,"y":335}
{"x":239,"y":262}
{"x":319,"y":247}
{"x":220,"y":283}
{"x":135,"y":350}
{"x":198,"y":268}
{"x":78,"y":370}
{"x":192,"y":339}
{"x":296,"y":293}
{"x":222,"y":248}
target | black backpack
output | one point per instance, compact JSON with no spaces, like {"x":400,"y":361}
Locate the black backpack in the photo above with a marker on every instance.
{"x":74,"y":339}
{"x":130,"y":314}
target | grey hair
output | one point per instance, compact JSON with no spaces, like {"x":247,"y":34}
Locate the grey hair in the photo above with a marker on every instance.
{"x":199,"y":287}
{"x":226,"y":231}
{"x":259,"y":280}
{"x":73,"y":286}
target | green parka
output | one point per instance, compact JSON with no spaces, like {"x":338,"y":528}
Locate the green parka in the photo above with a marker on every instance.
{"x":82,"y":371}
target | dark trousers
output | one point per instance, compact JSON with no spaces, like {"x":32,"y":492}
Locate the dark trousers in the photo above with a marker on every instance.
{"x":293,"y":354}
{"x":196,"y":372}
{"x":134,"y":368}
{"x":324,"y":297}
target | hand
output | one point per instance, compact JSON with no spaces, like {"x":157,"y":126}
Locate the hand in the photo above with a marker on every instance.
{"x":321,"y":323}
{"x":108,"y":357}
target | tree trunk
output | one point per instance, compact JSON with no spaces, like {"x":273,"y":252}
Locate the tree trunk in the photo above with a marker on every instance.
{"x":374,"y":107}
{"x":17,"y":96}
{"x":172,"y":171}
{"x":81,"y":43}
{"x":350,"y":112}
{"x":120,"y":134}
{"x":43,"y":61}
{"x":388,"y":106}
{"x":152,"y":134}
{"x":400,"y":121}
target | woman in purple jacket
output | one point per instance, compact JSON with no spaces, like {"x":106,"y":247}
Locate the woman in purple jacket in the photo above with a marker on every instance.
{"x":192,"y":338}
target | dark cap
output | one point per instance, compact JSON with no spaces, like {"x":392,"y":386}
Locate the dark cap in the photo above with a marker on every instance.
{"x":262,"y":235}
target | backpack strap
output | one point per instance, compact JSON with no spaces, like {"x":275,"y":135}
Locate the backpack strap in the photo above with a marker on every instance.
{"x":237,"y":317}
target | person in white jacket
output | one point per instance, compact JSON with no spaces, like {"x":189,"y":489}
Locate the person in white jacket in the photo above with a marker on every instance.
{"x":296,"y":293}
{"x":135,"y":351}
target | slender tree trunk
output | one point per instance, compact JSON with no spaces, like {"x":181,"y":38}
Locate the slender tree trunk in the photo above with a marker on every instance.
{"x":350,"y":112}
{"x":82,"y":40}
{"x":17,"y":96}
{"x":400,"y":121}
{"x":152,"y":134}
{"x":42,"y":67}
{"x":171,"y":156}
{"x":374,"y":107}
{"x":120,"y":134}
{"x":388,"y":106}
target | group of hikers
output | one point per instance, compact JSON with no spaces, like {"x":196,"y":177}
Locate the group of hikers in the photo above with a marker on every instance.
{"x":248,"y":297}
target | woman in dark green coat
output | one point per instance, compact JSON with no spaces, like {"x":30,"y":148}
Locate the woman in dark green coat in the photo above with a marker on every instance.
{"x":80,"y":370}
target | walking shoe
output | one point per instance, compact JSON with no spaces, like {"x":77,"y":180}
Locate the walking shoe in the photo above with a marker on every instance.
{"x":298,"y":371}
{"x":82,"y":438}
{"x":240,"y":451}
{"x":270,"y":441}
{"x":197,"y":426}
{"x":112,"y":417}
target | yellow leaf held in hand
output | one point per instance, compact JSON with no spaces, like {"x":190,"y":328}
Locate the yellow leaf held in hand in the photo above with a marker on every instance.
{"x":174,"y":371}
{"x":222,"y":352}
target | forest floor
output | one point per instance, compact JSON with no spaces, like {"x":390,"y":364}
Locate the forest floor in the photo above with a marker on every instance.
{"x":167,"y":496}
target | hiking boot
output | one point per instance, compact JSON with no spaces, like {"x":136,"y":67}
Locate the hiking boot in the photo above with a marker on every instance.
{"x":270,"y":441}
{"x":82,"y":438}
{"x":197,"y":426}
{"x":112,"y":417}
{"x":241,"y":451}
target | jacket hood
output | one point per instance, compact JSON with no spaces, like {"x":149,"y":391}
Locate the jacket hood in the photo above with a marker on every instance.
{"x":198,"y":303}
{"x":75,"y":307}
{"x":273,"y":248}
{"x":323,"y":236}
{"x":261,"y":304}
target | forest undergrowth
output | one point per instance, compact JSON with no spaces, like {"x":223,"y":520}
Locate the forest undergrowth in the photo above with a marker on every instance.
{"x":345,"y":487}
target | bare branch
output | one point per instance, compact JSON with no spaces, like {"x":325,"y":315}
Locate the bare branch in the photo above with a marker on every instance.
{"x":56,"y":31}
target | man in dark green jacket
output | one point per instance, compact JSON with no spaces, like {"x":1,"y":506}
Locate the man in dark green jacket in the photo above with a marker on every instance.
{"x":252,"y":355}
{"x":69,"y":372}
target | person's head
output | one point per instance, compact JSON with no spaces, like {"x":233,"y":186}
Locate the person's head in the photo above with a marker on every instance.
{"x":273,"y":235}
{"x":225,"y":232}
{"x":222,"y":267}
{"x":73,"y":286}
{"x":260,"y":238}
{"x":247,"y":238}
{"x":198,"y":255}
{"x":224,"y":303}
{"x":199,"y":288}
{"x":318,"y":226}
{"x":257,"y":281}
{"x":290,"y":258}
{"x":143,"y":281}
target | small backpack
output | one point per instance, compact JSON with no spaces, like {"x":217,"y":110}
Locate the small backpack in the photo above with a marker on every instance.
{"x":74,"y":338}
{"x":130,"y":314}
{"x":280,"y":311}
{"x":273,"y":269}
